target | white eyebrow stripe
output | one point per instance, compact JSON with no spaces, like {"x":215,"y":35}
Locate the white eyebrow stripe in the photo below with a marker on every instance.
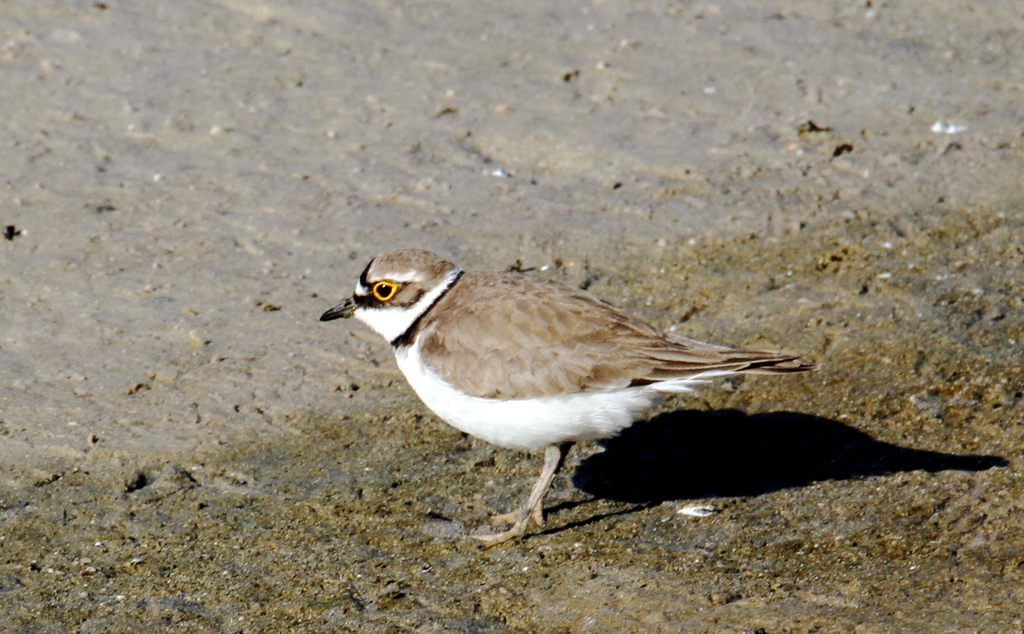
{"x":410,"y":276}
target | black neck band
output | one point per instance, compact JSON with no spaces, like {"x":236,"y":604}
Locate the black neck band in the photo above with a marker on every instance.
{"x":407,"y":337}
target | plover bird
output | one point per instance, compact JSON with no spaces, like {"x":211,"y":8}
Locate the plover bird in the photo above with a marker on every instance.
{"x":527,"y":363}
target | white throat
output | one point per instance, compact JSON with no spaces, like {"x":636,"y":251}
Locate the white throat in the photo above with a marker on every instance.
{"x":391,"y":322}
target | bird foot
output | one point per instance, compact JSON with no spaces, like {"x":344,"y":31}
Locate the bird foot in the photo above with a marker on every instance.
{"x":518,"y":530}
{"x":513,"y":517}
{"x":519,"y":519}
{"x":534,"y":507}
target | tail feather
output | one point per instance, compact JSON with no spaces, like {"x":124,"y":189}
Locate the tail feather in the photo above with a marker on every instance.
{"x":678,"y":375}
{"x":780,"y":365}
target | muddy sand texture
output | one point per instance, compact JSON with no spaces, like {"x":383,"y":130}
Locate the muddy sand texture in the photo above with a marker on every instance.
{"x":189,"y":185}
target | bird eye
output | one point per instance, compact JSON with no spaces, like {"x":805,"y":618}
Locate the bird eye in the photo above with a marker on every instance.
{"x":384,"y":290}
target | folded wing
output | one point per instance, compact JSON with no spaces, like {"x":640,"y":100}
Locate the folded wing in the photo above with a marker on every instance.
{"x":520,"y":337}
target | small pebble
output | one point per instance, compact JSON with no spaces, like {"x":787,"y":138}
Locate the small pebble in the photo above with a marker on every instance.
{"x":697,"y":510}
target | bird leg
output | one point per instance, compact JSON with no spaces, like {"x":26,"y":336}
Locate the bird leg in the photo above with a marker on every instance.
{"x":554,"y":456}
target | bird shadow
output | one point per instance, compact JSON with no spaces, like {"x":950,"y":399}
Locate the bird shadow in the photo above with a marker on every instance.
{"x":688,"y":454}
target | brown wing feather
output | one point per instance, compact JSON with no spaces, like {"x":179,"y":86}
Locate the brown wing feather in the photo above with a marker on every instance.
{"x":511,"y":336}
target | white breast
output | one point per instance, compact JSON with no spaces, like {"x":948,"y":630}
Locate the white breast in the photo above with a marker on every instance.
{"x":526,"y":423}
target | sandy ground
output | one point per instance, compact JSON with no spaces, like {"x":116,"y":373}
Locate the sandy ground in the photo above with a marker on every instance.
{"x":188,"y":185}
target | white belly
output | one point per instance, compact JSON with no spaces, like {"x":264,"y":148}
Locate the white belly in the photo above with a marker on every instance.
{"x":526,"y":423}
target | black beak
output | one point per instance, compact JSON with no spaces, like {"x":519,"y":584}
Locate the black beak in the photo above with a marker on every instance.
{"x":343,"y":310}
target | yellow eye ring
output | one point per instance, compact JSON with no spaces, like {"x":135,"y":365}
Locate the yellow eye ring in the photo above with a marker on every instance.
{"x":384,"y":291}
